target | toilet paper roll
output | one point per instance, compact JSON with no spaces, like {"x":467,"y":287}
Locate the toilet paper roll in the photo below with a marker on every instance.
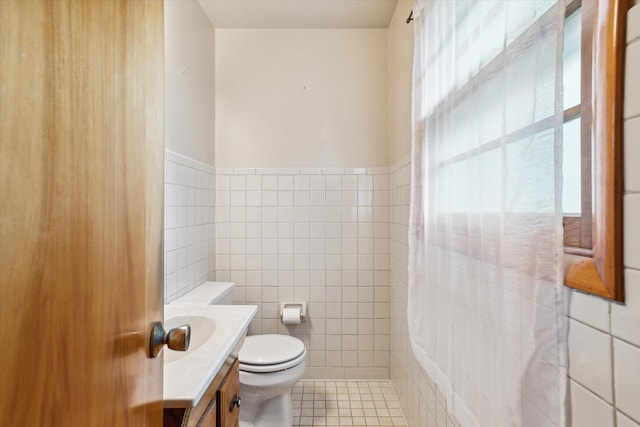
{"x":291,"y":316}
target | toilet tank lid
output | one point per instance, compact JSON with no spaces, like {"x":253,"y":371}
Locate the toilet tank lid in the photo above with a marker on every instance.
{"x":207,"y":293}
{"x":270,"y":349}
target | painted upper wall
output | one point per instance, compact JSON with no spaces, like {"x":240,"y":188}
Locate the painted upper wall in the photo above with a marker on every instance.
{"x":400,"y":64}
{"x":189,"y":82}
{"x":301,"y":98}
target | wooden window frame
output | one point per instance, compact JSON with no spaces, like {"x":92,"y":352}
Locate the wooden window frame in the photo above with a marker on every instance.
{"x":594,"y":265}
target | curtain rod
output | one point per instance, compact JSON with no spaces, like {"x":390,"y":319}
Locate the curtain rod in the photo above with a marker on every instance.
{"x":410,"y":18}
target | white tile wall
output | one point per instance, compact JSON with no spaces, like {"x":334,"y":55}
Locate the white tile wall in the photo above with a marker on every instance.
{"x":632,"y":151}
{"x":609,"y":390}
{"x":312,"y":234}
{"x":189,"y":230}
{"x":631,"y":228}
{"x":627,"y":378}
{"x":594,"y":412}
{"x":625,"y":319}
{"x":632,"y":83}
{"x":633,"y":23}
{"x":624,"y":421}
{"x":590,"y":355}
{"x":589,"y":310}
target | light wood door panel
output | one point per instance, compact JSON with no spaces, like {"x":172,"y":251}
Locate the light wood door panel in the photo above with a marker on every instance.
{"x":81,"y":205}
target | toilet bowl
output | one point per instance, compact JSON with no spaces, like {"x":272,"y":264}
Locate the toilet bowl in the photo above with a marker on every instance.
{"x":270,"y":364}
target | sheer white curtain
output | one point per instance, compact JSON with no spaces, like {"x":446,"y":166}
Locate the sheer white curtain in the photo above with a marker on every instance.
{"x":485,"y":265}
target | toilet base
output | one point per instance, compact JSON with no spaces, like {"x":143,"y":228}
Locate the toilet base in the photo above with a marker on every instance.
{"x":274,"y":412}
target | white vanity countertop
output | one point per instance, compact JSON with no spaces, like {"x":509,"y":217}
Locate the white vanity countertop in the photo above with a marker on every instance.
{"x":187,"y":376}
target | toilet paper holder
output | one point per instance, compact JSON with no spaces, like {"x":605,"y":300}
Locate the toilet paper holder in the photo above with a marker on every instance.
{"x":301,"y":305}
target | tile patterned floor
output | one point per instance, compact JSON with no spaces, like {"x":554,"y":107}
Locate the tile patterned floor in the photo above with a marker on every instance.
{"x":345,"y":403}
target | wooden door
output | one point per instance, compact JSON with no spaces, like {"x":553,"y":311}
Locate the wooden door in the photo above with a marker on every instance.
{"x":81,"y":205}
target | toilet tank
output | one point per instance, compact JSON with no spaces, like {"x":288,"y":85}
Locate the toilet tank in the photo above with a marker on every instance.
{"x":209,"y":293}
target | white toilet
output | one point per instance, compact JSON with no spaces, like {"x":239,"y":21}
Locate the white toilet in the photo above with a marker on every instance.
{"x":270,"y":364}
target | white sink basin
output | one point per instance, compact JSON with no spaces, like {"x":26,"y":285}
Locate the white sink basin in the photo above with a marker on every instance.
{"x":202,"y":329}
{"x":216,"y":332}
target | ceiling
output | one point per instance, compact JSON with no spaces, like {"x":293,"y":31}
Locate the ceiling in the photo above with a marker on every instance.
{"x":299,"y":13}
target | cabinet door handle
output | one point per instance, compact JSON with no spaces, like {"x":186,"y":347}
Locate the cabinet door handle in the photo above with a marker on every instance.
{"x":235,"y":401}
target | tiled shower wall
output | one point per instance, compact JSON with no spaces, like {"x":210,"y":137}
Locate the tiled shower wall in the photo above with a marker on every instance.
{"x":189,"y":230}
{"x":421,"y":403}
{"x":319,"y":235}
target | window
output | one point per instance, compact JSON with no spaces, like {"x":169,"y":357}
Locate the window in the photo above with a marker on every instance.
{"x":593,"y":65}
{"x":593,"y":68}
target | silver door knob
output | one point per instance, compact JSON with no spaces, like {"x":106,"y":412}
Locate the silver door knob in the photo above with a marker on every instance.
{"x":176,"y":339}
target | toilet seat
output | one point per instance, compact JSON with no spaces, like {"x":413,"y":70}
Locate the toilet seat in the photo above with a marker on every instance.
{"x":272,"y":368}
{"x":270,"y":353}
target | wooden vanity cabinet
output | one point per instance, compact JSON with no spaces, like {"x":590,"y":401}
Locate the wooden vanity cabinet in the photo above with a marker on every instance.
{"x":209,"y":416}
{"x":229,"y":398}
{"x":218,"y":407}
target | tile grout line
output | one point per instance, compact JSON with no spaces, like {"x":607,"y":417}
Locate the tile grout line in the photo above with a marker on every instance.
{"x":611,"y":334}
{"x":613,"y":375}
